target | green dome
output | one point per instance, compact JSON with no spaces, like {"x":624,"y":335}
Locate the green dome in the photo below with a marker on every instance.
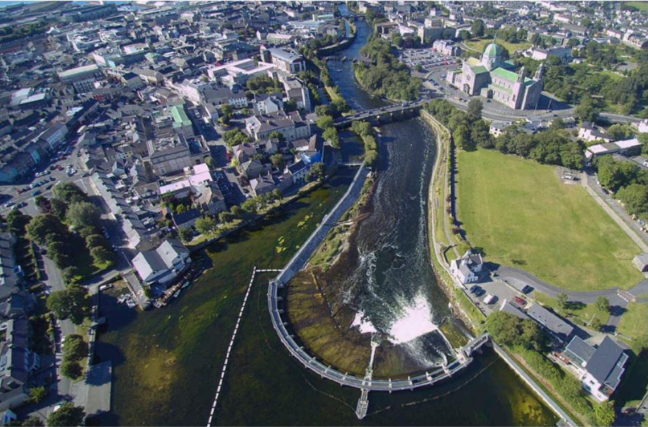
{"x":493,"y":50}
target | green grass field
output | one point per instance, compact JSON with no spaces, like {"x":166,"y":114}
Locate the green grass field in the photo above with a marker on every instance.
{"x":522,"y":216}
{"x":633,"y":322}
{"x":480,"y":45}
{"x":637,"y":4}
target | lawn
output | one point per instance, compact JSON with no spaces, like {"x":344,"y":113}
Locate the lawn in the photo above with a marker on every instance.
{"x":640,"y":5}
{"x":480,"y":45}
{"x":521,"y":215}
{"x":633,"y":322}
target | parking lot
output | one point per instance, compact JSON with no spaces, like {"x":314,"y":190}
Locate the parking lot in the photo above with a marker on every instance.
{"x":426,"y":58}
{"x":63,"y":166}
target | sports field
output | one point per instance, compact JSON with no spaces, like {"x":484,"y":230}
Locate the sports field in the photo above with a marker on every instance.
{"x":523,"y":216}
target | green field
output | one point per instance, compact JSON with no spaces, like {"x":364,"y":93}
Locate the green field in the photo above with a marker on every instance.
{"x":521,"y":215}
{"x":633,"y":322}
{"x":480,"y":45}
{"x":641,"y":5}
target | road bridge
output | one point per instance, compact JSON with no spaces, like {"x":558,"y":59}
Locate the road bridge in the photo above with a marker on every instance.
{"x":382,"y":115}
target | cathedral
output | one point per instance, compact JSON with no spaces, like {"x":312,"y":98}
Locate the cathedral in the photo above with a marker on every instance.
{"x":494,"y":78}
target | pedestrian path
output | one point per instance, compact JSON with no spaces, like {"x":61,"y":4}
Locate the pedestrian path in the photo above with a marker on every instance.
{"x":231,"y":344}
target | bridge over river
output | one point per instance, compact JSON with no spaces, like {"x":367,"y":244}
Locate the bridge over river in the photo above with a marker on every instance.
{"x":386,"y":114}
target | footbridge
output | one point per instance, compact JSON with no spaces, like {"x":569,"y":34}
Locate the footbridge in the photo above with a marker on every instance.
{"x":382,"y":115}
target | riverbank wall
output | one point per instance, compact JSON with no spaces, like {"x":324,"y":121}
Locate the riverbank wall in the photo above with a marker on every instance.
{"x":440,"y":265}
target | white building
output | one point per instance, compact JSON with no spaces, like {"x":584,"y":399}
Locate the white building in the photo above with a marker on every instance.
{"x":163,"y":264}
{"x":467,"y":268}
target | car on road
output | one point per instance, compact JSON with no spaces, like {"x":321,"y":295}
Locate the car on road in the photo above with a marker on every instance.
{"x":36,"y":193}
{"x":519,"y":301}
{"x":489,"y":299}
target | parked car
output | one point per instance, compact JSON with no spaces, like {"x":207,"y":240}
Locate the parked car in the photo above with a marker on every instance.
{"x":36,"y":193}
{"x":489,"y":299}
{"x":519,"y":301}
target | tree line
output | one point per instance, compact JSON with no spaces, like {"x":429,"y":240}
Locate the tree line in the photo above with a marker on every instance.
{"x":469,"y":131}
{"x":627,"y":181}
{"x":389,"y":77}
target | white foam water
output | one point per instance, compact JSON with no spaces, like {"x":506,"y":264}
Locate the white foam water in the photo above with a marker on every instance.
{"x":365,"y":326}
{"x":416,"y":321}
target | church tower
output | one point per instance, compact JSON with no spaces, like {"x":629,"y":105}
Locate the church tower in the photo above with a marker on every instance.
{"x":539,"y":75}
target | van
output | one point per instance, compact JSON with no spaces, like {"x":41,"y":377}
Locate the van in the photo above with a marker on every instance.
{"x":489,"y":299}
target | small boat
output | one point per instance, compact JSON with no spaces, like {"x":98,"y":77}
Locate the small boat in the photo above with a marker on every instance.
{"x":176,"y":294}
{"x":130,"y":303}
{"x":186,"y":284}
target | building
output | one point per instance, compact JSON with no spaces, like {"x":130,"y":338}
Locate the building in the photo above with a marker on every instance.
{"x":641,"y":262}
{"x":589,"y":132}
{"x":629,"y":147}
{"x":163,"y":264}
{"x":447,"y":47}
{"x":286,"y":61}
{"x":493,"y":78}
{"x":181,"y":123}
{"x":291,"y":125}
{"x":81,"y":78}
{"x":552,"y":323}
{"x":17,"y":363}
{"x":600,"y":369}
{"x":467,"y":268}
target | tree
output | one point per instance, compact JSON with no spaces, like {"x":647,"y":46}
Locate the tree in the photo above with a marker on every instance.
{"x":75,"y":347}
{"x":101,"y":255}
{"x":331,"y":135}
{"x":67,"y":415}
{"x":504,"y":328}
{"x":324,"y":110}
{"x":371,"y":157}
{"x":587,"y":111}
{"x":43,"y":225}
{"x":276,"y":194}
{"x":603,"y":304}
{"x":17,"y":221}
{"x":249,"y":208}
{"x":70,"y":273}
{"x":461,"y":137}
{"x":635,"y":199}
{"x":71,"y":369}
{"x":475,"y":107}
{"x":83,"y":214}
{"x":362,"y":128}
{"x":72,"y":303}
{"x":536,"y":39}
{"x":532,"y":335}
{"x":180,"y":209}
{"x":32,"y":421}
{"x":562,"y":299}
{"x":60,"y":253}
{"x":278,"y":161}
{"x":325,"y":122}
{"x":69,"y":192}
{"x":604,"y":413}
{"x":235,"y":137}
{"x":96,"y":240}
{"x":186,"y":234}
{"x":316,"y":172}
{"x":58,"y":207}
{"x":478,"y":28}
{"x":276,"y":134}
{"x":37,"y":394}
{"x":206,"y":225}
{"x":596,"y":324}
{"x":43,"y":204}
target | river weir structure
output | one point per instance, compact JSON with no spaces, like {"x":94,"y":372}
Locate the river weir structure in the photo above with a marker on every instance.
{"x":461,"y":356}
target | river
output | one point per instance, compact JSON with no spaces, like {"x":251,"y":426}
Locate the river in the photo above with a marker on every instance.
{"x":167,"y":362}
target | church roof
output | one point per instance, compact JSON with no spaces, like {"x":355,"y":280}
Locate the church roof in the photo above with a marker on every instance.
{"x":479,"y":69}
{"x":493,"y":49}
{"x":509,"y":75}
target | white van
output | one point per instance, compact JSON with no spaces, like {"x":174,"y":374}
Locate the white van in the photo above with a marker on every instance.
{"x":489,"y":299}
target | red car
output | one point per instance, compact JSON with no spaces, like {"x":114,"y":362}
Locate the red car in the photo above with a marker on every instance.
{"x":520,"y":301}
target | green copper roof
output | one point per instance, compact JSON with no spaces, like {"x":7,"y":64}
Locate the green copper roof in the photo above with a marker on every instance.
{"x":493,"y":49}
{"x":479,"y":69}
{"x":505,"y":74}
{"x":179,"y":116}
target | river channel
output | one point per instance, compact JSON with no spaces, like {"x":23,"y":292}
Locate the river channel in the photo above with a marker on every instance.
{"x":167,"y":362}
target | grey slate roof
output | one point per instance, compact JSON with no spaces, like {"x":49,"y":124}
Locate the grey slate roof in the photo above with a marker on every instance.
{"x":578,"y":351}
{"x":604,"y":360}
{"x":554,"y":323}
